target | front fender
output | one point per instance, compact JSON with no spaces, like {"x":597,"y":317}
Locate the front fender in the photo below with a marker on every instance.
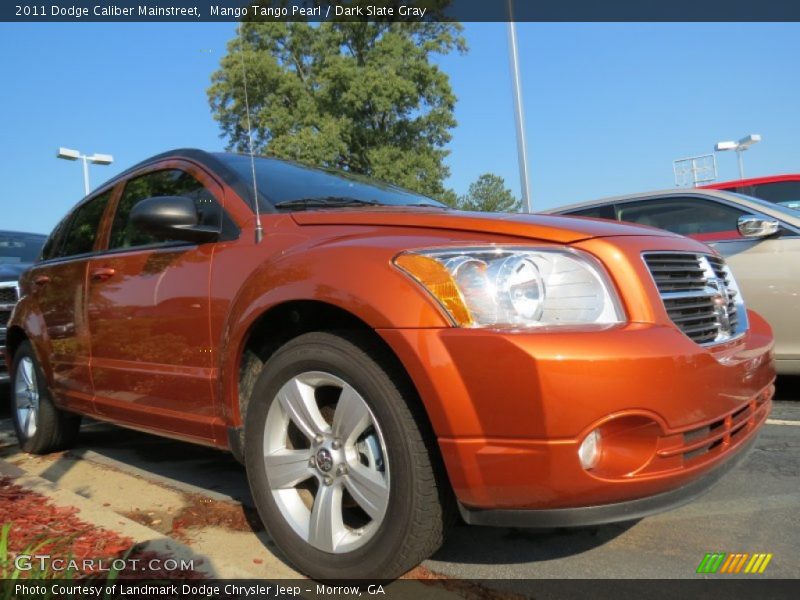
{"x":354,"y":274}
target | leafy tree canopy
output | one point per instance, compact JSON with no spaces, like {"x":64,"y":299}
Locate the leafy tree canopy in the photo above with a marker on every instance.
{"x":488,"y":193}
{"x":362,"y":96}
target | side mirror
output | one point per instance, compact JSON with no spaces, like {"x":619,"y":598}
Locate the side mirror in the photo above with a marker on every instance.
{"x":172,"y":217}
{"x":751,"y":226}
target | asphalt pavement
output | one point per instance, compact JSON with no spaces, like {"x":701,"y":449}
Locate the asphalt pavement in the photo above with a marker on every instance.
{"x":753,"y":509}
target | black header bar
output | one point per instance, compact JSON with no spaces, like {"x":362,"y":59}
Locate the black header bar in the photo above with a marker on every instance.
{"x":399,"y":11}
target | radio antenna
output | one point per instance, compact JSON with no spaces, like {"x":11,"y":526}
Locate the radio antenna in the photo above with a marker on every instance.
{"x":259,"y":228}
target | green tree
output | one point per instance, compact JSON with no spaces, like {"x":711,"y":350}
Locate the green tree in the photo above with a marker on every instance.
{"x":363,"y":97}
{"x":490,"y":194}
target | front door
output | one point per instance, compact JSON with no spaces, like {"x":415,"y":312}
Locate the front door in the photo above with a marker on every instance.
{"x":768,"y":271}
{"x":148,"y":312}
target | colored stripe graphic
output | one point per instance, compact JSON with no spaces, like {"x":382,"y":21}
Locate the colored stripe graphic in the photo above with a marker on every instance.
{"x":764,"y":564}
{"x":737,"y":562}
{"x":711,"y":562}
{"x":728,"y":563}
{"x":754,"y":563}
{"x":740,"y":564}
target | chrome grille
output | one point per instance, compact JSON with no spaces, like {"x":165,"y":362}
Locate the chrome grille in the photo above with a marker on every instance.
{"x":8,"y":294}
{"x":8,"y":298}
{"x":700,"y":295}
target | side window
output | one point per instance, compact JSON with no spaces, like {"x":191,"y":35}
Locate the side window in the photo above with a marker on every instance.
{"x":170,"y":182}
{"x":597,"y":212}
{"x":81,"y":232}
{"x":53,"y":243}
{"x":686,"y":216}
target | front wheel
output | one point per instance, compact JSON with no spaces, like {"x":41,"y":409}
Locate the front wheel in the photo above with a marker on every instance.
{"x":339,"y":468}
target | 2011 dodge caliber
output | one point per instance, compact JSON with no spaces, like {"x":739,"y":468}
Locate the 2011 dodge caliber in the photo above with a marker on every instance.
{"x":377,"y":360}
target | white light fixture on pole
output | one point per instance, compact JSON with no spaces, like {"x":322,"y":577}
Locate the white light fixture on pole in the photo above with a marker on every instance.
{"x":739,"y":147}
{"x":522,"y":148}
{"x":97,"y":159}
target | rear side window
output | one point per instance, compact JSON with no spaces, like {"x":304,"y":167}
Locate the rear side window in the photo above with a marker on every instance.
{"x":170,"y":182}
{"x":81,"y":232}
{"x":686,"y":216}
{"x":597,"y":212}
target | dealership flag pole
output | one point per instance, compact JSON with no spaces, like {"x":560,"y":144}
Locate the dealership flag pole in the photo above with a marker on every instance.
{"x":522,"y":149}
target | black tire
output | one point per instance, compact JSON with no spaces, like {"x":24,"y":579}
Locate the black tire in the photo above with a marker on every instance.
{"x":414,"y":524}
{"x":55,"y":429}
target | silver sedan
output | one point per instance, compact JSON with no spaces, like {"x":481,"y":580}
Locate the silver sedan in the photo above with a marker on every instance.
{"x":759,"y":239}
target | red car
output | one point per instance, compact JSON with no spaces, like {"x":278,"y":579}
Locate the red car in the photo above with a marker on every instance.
{"x":377,"y":360}
{"x":780,"y":189}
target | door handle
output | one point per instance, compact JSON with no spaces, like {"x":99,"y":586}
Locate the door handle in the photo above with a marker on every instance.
{"x":103,"y":273}
{"x":41,"y":280}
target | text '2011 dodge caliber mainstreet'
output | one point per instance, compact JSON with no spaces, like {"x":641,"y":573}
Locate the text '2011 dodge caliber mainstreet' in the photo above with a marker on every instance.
{"x":377,"y":360}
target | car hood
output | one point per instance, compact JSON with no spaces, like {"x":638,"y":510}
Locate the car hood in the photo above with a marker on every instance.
{"x":12,"y":271}
{"x":549,"y":228}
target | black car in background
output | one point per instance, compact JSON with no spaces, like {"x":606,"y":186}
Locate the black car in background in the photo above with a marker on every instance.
{"x":17,"y":252}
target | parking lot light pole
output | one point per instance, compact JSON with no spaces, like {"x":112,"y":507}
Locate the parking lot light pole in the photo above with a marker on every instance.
{"x":522,"y":146}
{"x":739,"y":147}
{"x":97,"y":159}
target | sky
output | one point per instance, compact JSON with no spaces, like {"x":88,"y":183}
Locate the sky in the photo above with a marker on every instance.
{"x":608,"y":107}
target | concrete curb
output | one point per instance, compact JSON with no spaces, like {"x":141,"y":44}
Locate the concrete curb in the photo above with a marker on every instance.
{"x":144,"y":537}
{"x":181,"y":486}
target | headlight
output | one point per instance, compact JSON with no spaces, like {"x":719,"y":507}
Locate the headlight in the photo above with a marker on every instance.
{"x":515,"y":287}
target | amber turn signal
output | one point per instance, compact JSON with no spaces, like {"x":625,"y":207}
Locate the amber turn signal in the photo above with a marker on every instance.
{"x":435,"y":278}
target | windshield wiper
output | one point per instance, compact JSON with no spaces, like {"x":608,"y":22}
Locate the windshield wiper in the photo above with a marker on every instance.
{"x":325,"y":201}
{"x":425,"y":205}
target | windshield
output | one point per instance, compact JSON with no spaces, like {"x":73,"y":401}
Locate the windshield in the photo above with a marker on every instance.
{"x":20,"y":247}
{"x":281,"y":181}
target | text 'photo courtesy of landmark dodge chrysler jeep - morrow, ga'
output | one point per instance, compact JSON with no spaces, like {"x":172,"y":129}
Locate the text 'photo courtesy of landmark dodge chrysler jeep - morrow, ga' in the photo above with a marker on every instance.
{"x":380,"y":362}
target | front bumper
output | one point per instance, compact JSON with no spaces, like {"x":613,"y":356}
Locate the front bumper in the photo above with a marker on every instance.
{"x":511,"y":409}
{"x":627,"y":510}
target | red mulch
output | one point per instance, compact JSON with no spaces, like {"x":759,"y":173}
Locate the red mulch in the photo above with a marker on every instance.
{"x":201,"y":511}
{"x":34,"y":519}
{"x":469,"y":590}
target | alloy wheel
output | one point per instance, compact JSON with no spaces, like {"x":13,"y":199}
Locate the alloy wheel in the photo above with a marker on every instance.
{"x":26,"y":397}
{"x":326,"y":462}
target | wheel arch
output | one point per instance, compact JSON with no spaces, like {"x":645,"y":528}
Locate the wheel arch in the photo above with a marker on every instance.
{"x":283,"y":322}
{"x":14,"y":337}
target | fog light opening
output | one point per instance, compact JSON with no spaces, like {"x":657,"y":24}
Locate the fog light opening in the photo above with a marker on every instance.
{"x":589,"y":451}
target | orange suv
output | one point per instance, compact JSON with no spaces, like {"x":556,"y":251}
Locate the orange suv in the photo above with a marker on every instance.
{"x":377,"y":360}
